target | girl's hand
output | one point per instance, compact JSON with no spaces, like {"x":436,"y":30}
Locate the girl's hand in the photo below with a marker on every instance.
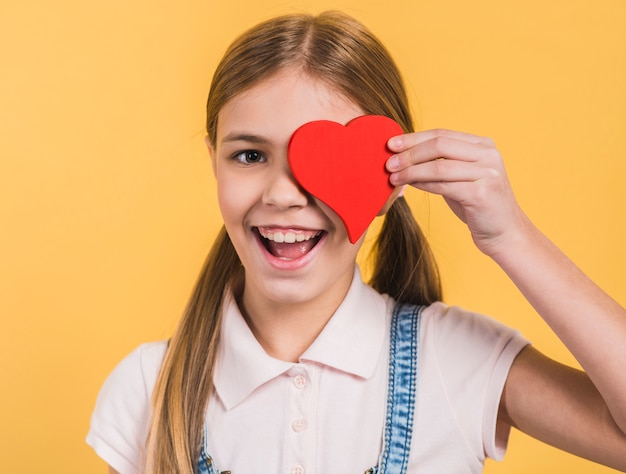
{"x":467,"y":170}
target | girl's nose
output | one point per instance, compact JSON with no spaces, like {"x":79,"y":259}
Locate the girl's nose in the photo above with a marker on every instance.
{"x":283,"y":191}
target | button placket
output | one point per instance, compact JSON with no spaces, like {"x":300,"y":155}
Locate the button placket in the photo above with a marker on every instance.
{"x":299,"y":381}
{"x":298,"y":425}
{"x":297,"y":469}
{"x":300,"y":412}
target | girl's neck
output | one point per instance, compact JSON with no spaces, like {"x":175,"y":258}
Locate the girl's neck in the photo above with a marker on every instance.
{"x":286,"y":331}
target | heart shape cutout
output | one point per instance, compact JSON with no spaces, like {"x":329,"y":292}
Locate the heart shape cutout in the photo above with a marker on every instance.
{"x":344,"y":166}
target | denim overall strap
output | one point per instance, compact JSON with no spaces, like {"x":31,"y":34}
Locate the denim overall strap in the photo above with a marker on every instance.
{"x":402,"y":389}
{"x":205,"y":463}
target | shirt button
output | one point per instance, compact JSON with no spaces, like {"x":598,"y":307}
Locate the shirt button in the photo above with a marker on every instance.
{"x":298,"y":425}
{"x":297,"y":469}
{"x":299,"y":381}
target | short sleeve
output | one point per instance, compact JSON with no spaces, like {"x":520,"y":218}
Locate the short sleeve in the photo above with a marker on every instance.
{"x":474,"y":354}
{"x":121,"y":418}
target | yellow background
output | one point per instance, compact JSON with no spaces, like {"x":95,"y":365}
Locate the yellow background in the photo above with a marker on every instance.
{"x":107,"y":204}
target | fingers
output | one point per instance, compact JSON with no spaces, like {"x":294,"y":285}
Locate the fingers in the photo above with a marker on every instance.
{"x":440,"y":171}
{"x":440,"y":147}
{"x":437,"y":156}
{"x":401,"y":143}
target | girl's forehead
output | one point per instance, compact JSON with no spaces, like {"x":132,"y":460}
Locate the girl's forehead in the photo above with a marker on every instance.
{"x":283,"y":102}
{"x":294,"y":86}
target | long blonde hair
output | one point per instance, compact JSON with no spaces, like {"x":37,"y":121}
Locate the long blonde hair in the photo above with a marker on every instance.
{"x":336,"y":49}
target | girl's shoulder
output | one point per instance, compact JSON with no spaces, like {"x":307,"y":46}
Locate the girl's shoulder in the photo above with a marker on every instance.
{"x":465,"y":358}
{"x":142,"y":364}
{"x":464,"y":342}
{"x":453,"y":321}
{"x":120,"y":420}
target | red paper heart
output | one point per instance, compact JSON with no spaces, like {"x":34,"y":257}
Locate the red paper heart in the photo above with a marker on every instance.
{"x":344,"y":166}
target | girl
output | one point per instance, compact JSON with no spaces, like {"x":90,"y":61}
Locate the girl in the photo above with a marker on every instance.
{"x":285,"y":361}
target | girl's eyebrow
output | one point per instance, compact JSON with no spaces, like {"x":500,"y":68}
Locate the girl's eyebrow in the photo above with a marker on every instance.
{"x":245,"y":137}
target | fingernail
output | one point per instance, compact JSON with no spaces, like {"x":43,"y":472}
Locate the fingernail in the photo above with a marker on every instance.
{"x":393,"y":163}
{"x":396,"y":142}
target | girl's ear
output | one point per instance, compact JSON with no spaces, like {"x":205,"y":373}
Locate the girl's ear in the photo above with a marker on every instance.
{"x":399,"y":191}
{"x":211,"y":153}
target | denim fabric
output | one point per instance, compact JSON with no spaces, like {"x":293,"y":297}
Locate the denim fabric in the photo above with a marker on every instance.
{"x":401,"y":394}
{"x":205,"y":463}
{"x":401,"y":390}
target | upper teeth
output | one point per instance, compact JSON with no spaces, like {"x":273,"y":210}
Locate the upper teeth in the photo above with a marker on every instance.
{"x":288,"y":237}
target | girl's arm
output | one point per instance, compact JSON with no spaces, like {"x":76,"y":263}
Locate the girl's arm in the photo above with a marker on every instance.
{"x":581,"y":412}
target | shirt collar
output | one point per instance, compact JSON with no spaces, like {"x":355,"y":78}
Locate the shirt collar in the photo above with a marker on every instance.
{"x":351,"y":342}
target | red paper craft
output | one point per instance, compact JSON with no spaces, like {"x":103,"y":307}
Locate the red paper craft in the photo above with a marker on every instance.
{"x":344,"y":166}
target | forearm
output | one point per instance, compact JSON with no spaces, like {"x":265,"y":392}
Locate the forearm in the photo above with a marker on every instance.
{"x":589,"y":322}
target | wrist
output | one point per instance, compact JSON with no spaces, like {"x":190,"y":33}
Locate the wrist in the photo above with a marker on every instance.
{"x":515,"y":242}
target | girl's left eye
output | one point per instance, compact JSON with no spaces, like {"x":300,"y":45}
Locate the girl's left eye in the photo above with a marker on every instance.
{"x":249,"y":157}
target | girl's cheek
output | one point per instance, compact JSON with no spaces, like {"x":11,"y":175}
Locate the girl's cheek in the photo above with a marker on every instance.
{"x":236,"y":196}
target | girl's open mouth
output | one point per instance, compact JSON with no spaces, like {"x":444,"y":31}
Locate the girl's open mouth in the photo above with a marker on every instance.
{"x":288,"y":244}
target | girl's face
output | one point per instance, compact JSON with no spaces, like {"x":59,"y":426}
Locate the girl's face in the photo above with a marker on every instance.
{"x":295,"y":250}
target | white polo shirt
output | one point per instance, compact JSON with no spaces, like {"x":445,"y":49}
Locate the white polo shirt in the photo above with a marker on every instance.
{"x":325,"y":413}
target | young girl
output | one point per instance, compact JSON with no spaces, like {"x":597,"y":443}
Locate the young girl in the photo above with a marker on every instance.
{"x":285,"y":361}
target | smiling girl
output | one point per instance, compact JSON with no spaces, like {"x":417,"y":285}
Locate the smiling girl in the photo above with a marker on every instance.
{"x":285,"y":361}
